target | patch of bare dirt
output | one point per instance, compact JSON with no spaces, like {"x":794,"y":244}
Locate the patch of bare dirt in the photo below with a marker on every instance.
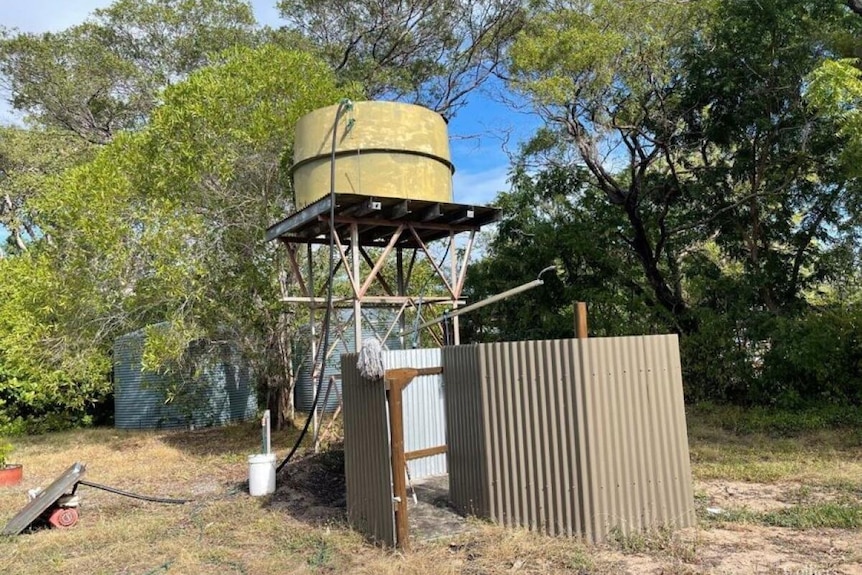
{"x":431,"y":515}
{"x":775,"y":550}
{"x":741,"y":548}
{"x":748,"y":550}
{"x":761,"y":497}
{"x":313,"y":489}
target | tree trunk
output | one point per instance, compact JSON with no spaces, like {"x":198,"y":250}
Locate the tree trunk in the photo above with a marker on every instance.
{"x":667,"y":297}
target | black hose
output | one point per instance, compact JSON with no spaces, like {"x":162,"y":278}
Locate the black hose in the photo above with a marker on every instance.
{"x":342,"y":106}
{"x":134,"y":495}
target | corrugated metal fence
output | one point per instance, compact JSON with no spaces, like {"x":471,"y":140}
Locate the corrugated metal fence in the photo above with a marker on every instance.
{"x":574,"y":437}
{"x":367,"y":469}
{"x":366,"y":437}
{"x":424,"y":409}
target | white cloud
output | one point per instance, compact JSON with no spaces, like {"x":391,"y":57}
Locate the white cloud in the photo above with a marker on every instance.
{"x":480,"y":187}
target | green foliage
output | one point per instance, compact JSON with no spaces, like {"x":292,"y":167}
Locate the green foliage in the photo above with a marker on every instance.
{"x":6,"y":449}
{"x":430,"y":53}
{"x":29,"y":158}
{"x":590,"y":52}
{"x":818,"y":516}
{"x":816,"y":357}
{"x":555,"y":218}
{"x":104,"y":76}
{"x":717,"y":359}
{"x":830,"y":515}
{"x":836,"y":89}
{"x":810,"y":357}
{"x":696,"y":174}
{"x":162,"y":225}
{"x":39,"y":376}
{"x":690,"y":163}
{"x":607,"y":78}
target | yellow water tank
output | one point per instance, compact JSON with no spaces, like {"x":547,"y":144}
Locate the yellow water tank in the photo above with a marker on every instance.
{"x":385,"y":149}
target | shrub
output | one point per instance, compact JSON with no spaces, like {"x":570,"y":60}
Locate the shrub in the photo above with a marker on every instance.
{"x":815,"y":357}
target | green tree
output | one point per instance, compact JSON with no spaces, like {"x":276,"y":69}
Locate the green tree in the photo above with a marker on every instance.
{"x":429,"y":52}
{"x":556,"y":218}
{"x":166,"y":224}
{"x":836,"y":89}
{"x":774,"y":170}
{"x":690,"y":144}
{"x":689,"y":122}
{"x":28,"y":159}
{"x":607,"y":78}
{"x":105,"y":75}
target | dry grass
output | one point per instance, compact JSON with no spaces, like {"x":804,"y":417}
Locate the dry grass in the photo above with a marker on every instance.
{"x":226,"y":531}
{"x":823,"y":457}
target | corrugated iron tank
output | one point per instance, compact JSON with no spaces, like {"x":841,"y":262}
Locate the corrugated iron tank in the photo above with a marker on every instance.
{"x":386,"y":149}
{"x":377,"y":322}
{"x":221,"y":391}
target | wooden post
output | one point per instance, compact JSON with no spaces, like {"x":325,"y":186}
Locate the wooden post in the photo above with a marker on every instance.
{"x":399,"y":485}
{"x":395,"y":381}
{"x":581,"y":320}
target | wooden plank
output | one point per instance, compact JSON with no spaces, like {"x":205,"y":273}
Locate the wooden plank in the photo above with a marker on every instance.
{"x":463,"y":216}
{"x":427,"y":452}
{"x":400,"y":210}
{"x":396,"y":223}
{"x":429,"y":371}
{"x":395,"y":380}
{"x":368,"y":206}
{"x":399,"y":483}
{"x":581,"y":320}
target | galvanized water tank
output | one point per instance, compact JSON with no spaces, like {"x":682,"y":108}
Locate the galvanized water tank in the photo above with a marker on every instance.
{"x":376,"y":321}
{"x":223,"y":389}
{"x":386,"y":149}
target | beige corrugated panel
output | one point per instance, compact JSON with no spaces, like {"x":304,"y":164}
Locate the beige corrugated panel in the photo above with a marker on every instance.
{"x":466,"y":414}
{"x":572,"y":437}
{"x":367,"y":466}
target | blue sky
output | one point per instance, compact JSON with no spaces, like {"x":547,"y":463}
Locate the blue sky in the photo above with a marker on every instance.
{"x":477,"y":133}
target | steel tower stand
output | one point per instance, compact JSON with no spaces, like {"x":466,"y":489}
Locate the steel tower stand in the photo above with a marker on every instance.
{"x":397,"y":227}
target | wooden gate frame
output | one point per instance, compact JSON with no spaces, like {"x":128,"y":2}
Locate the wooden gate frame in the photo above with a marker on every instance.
{"x":395,"y":381}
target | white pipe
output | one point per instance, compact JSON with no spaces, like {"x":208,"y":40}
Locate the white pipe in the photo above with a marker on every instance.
{"x":267,"y":438}
{"x":478,"y":304}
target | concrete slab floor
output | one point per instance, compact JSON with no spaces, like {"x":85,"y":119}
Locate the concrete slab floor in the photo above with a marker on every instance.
{"x":433,"y":516}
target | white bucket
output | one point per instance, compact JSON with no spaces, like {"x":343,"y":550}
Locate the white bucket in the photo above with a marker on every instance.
{"x":261,"y":474}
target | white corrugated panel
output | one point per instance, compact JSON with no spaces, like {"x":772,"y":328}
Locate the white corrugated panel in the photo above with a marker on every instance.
{"x":424,"y":409}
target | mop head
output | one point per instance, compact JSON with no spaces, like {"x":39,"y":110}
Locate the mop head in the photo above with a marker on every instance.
{"x":370,"y":362}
